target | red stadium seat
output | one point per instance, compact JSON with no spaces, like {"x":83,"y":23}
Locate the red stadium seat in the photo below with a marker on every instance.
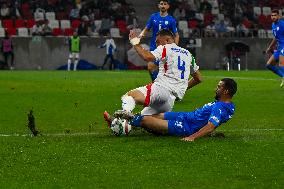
{"x":30,"y":23}
{"x":8,"y":23}
{"x":11,"y":31}
{"x":192,"y":24}
{"x":20,"y":23}
{"x":75,"y":23}
{"x":57,"y":31}
{"x":121,"y":24}
{"x":68,"y":31}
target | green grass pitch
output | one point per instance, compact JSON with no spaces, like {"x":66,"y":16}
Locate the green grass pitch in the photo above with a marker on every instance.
{"x":77,"y":150}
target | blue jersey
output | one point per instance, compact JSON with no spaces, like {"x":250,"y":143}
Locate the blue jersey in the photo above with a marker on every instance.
{"x":278,"y":32}
{"x":187,"y":123}
{"x":156,"y":22}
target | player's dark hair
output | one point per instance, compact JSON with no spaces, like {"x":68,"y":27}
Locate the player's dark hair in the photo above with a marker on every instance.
{"x":165,"y":32}
{"x":167,"y":1}
{"x":230,"y":85}
{"x":275,"y":11}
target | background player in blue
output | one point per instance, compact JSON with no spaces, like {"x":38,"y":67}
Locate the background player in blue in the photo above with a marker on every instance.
{"x":198,"y":123}
{"x":157,"y":21}
{"x":278,"y":55}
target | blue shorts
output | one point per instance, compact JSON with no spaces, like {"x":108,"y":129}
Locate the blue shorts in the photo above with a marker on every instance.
{"x":278,"y":52}
{"x":177,"y":124}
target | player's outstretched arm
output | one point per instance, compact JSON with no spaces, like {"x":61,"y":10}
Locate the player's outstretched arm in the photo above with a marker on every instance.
{"x":195,"y":80}
{"x":135,"y":40}
{"x":202,"y":132}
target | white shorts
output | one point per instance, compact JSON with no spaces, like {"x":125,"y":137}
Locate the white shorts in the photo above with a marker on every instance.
{"x":74,"y":55}
{"x":158,"y":99}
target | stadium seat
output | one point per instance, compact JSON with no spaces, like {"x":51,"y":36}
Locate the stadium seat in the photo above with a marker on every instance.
{"x":266,"y":11}
{"x":257,"y":11}
{"x":57,"y":32}
{"x":114,"y":32}
{"x":68,"y":31}
{"x":199,"y":16}
{"x":8,"y":23}
{"x":11,"y":31}
{"x":192,"y":24}
{"x":182,"y":24}
{"x":0,"y":24}
{"x":19,"y":23}
{"x":65,"y":24}
{"x":185,"y":32}
{"x":75,"y":23}
{"x":53,"y":24}
{"x":215,"y":11}
{"x":270,"y":34}
{"x":23,"y":32}
{"x":262,"y":33}
{"x":98,"y":24}
{"x":50,"y":16}
{"x":2,"y":32}
{"x":220,"y":16}
{"x":121,"y":24}
{"x":30,"y":23}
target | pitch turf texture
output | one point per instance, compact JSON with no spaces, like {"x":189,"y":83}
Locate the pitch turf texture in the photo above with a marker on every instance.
{"x":76,"y":150}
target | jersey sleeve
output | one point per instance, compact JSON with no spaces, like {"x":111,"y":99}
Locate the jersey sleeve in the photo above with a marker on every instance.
{"x":174,"y":26}
{"x":216,"y":116}
{"x":193,"y":65}
{"x":158,"y":53}
{"x":149,"y":23}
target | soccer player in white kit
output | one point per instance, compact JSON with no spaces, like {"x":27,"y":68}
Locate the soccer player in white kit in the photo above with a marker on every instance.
{"x":176,"y":64}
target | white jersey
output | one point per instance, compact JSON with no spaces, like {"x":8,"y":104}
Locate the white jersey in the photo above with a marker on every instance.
{"x":175,"y":65}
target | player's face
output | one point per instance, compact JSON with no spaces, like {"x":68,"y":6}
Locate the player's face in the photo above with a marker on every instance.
{"x":161,"y":40}
{"x":275,"y":17}
{"x":219,"y":90}
{"x":164,"y":6}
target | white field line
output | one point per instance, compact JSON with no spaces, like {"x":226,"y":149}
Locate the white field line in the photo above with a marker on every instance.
{"x":96,"y":134}
{"x":245,"y":78}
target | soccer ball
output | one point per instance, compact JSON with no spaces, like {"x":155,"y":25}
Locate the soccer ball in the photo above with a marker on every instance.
{"x":120,"y":126}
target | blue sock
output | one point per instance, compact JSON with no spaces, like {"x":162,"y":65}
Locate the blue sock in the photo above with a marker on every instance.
{"x":277,"y":70}
{"x":154,"y":74}
{"x":136,"y":121}
{"x":281,"y":68}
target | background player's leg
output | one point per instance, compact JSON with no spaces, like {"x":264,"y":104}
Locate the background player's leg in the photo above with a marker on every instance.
{"x":75,"y":64}
{"x":281,"y":67}
{"x":271,"y":65}
{"x":69,"y":62}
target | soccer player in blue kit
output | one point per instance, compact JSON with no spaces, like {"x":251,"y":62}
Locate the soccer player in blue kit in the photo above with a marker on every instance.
{"x":278,"y":55}
{"x":192,"y":125}
{"x":157,"y":21}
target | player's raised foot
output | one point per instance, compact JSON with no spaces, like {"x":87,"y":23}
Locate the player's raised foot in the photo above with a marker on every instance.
{"x":123,"y":114}
{"x":108,"y":118}
{"x":282,"y":83}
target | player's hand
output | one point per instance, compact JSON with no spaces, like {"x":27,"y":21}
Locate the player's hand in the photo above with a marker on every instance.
{"x":132,"y":34}
{"x":188,"y":139}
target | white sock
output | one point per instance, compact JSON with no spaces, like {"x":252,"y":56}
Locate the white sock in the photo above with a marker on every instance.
{"x":75,"y":65}
{"x":69,"y":63}
{"x":128,"y":103}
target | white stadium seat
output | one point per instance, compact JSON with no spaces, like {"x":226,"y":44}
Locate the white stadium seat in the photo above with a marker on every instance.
{"x":98,"y":24}
{"x":114,"y":32}
{"x":23,"y":32}
{"x":182,"y":24}
{"x":257,"y":11}
{"x":53,"y":24}
{"x":266,"y":11}
{"x":262,"y":33}
{"x":50,"y":16}
{"x":270,"y":34}
{"x":65,"y":24}
{"x":2,"y":32}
